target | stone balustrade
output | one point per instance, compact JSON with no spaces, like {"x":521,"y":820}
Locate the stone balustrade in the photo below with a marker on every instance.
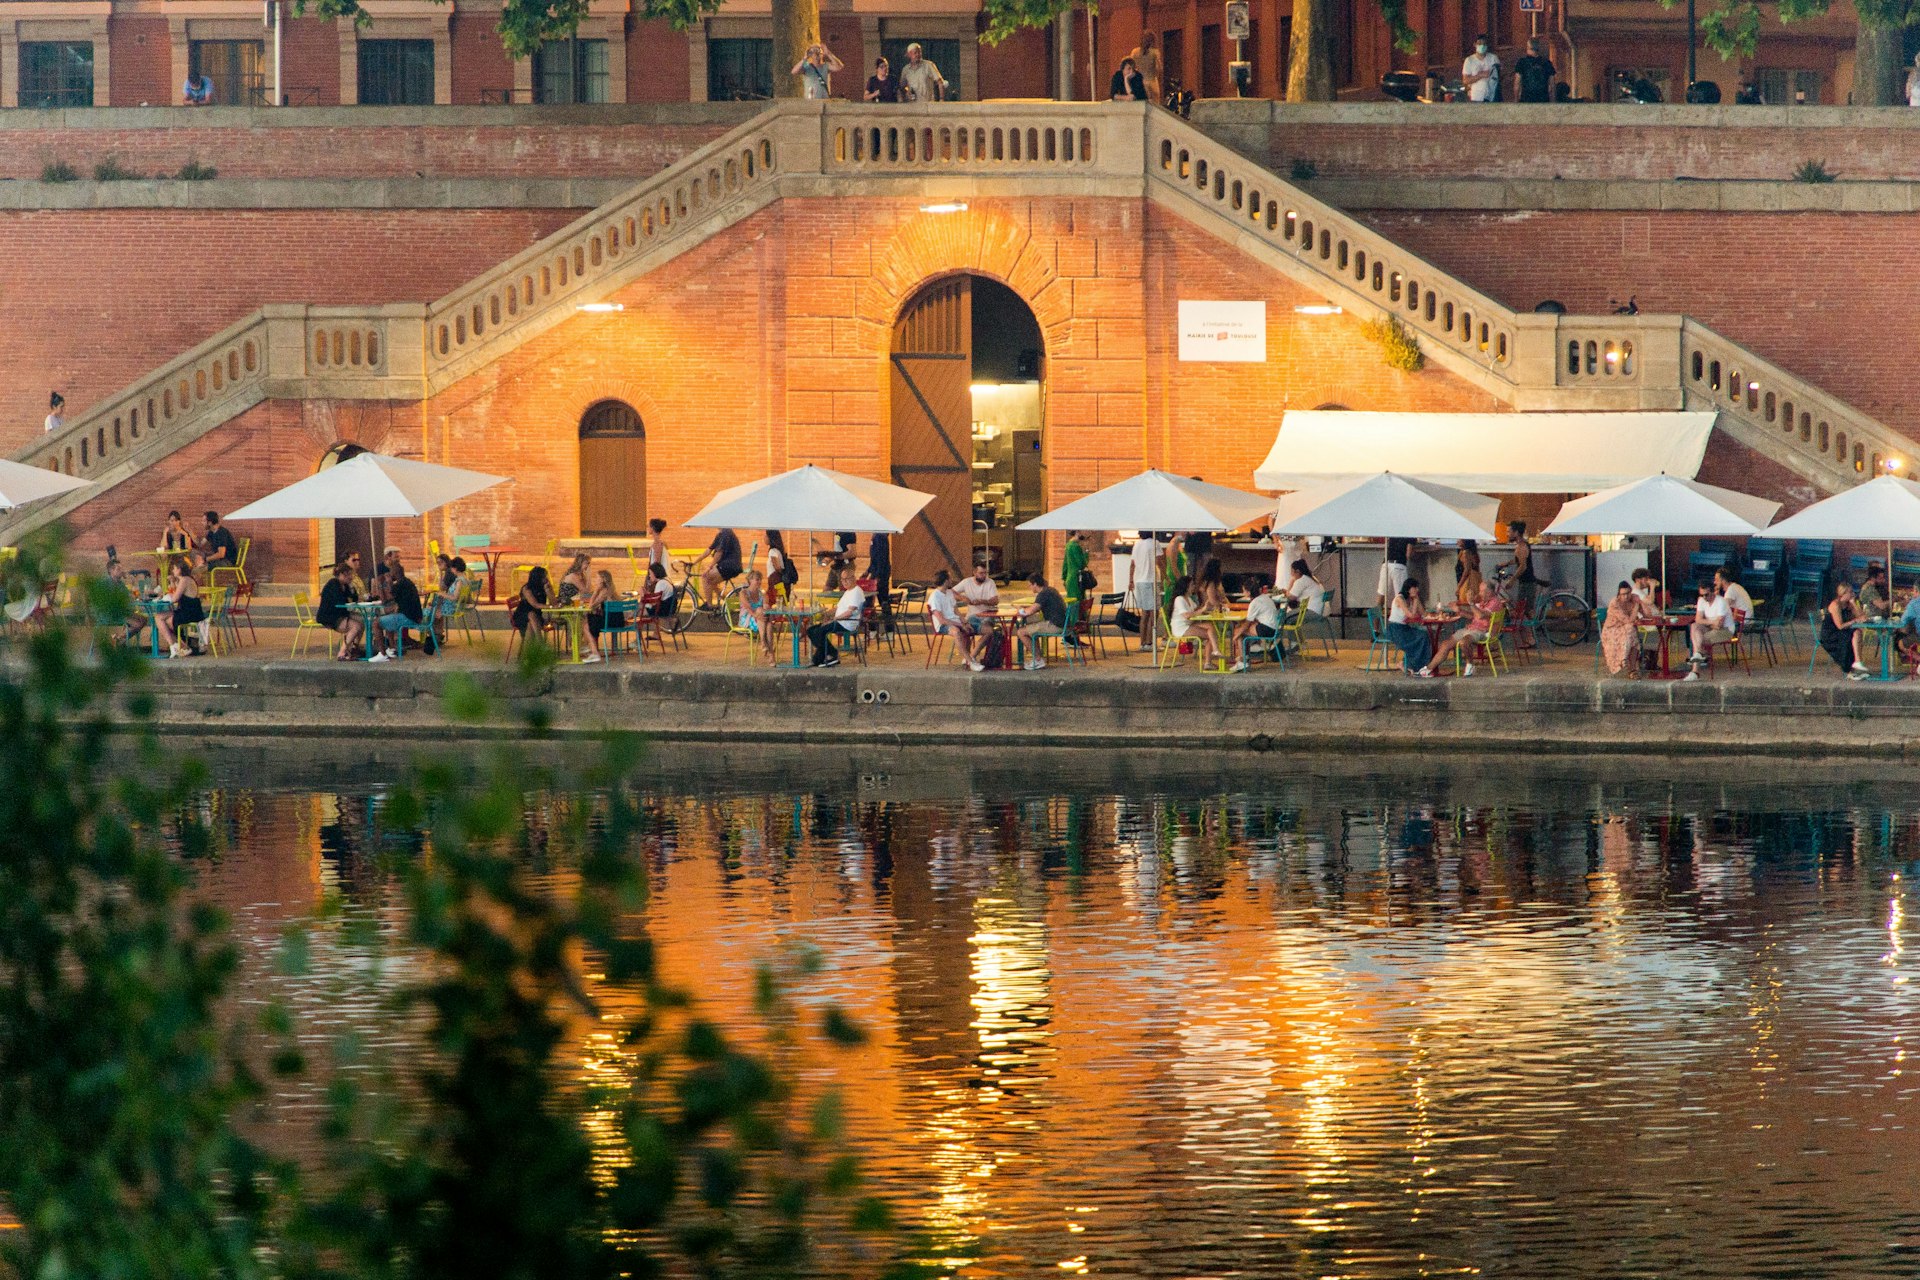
{"x":400,"y":352}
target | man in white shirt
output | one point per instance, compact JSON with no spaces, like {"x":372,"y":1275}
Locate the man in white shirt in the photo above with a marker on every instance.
{"x":921,"y":79}
{"x":980,"y":597}
{"x":1736,"y":596}
{"x":1712,"y":624}
{"x":846,"y":618}
{"x":1143,"y":583}
{"x":943,"y":613}
{"x":1263,"y":623}
{"x":1481,"y":73}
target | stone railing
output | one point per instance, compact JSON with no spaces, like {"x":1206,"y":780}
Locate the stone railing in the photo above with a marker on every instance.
{"x":401,"y":352}
{"x":1770,"y":410}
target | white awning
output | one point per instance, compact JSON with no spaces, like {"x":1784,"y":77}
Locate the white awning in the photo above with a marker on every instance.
{"x":1486,"y":452}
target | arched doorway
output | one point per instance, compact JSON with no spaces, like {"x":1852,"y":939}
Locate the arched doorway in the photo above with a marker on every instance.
{"x":613,"y":470}
{"x":967,"y":368}
{"x":339,"y":538}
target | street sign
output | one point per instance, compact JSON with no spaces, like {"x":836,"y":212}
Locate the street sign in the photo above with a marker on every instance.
{"x":1240,"y":20}
{"x":1533,"y":6}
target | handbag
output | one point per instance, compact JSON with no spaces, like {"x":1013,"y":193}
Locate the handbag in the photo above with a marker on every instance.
{"x":1127,"y":620}
{"x":1087,"y":581}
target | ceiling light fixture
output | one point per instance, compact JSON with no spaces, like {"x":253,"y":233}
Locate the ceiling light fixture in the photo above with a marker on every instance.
{"x":600,"y":308}
{"x":948,"y":206}
{"x":1318,"y":309}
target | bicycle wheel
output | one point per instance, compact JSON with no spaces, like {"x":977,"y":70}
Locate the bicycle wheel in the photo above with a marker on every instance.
{"x":1566,"y":619}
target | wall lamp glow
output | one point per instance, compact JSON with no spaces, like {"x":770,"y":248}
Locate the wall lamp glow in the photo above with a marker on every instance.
{"x":1893,"y":464}
{"x":950,"y":206}
{"x":1753,"y":386}
{"x":1318,"y":309}
{"x":600,"y":308}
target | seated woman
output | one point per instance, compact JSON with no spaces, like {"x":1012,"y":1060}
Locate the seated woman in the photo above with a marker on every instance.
{"x":1260,"y":626}
{"x":1478,"y":625}
{"x":529,"y":615}
{"x":449,"y":576}
{"x":658,"y":600}
{"x":577,"y":583}
{"x":753,"y":611}
{"x":1839,"y":635}
{"x":1180,"y":621}
{"x":333,"y":614}
{"x":603,"y":604}
{"x":187,"y":615}
{"x":1620,"y":634}
{"x":1404,"y":630}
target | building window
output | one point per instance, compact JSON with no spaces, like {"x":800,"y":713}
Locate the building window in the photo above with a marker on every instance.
{"x":396,"y":73}
{"x":56,"y":73}
{"x":739,"y":70}
{"x":237,"y":68}
{"x":944,"y":54}
{"x":613,"y":470}
{"x":570,"y":71}
{"x":1782,"y":87}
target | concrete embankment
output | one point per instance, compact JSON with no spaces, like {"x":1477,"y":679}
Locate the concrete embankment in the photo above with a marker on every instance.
{"x":1110,"y":706}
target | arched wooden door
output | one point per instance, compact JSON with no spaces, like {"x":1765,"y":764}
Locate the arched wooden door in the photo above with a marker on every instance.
{"x":932,"y":369}
{"x":613,"y":470}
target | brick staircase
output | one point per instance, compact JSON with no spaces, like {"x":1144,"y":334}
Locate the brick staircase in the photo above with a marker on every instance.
{"x":399,"y":352}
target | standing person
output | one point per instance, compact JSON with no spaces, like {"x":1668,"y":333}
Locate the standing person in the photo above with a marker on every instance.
{"x":197,"y":91}
{"x":1146,"y":59}
{"x":1481,"y":73}
{"x":782,"y":573}
{"x":920,"y":80}
{"x":1466,"y":574}
{"x":880,"y":570}
{"x":845,"y":619}
{"x":1913,"y":84}
{"x":1143,"y":584}
{"x":1526,"y":584}
{"x":1393,"y":571}
{"x":657,"y":546}
{"x":55,"y":403}
{"x":1127,"y":84}
{"x":815,"y":69}
{"x":1535,"y":74}
{"x":881,"y":86}
{"x":1076,"y":580}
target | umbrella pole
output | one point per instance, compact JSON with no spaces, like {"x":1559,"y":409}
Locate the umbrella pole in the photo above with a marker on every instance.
{"x":1664,"y":584}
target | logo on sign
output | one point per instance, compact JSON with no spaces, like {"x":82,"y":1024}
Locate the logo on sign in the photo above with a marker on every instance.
{"x":1223,"y":332}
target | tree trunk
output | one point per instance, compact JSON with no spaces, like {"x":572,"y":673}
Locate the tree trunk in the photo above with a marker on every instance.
{"x":1310,"y":59}
{"x":1879,"y":78}
{"x":796,"y":24}
{"x":1063,"y":57}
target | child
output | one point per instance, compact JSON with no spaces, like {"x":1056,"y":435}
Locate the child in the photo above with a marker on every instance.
{"x":753,"y":611}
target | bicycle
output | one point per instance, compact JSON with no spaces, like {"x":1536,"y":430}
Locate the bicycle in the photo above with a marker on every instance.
{"x":1565,"y":618}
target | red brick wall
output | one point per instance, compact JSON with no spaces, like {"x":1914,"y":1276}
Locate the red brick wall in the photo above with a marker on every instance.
{"x":631,"y":151}
{"x":309,"y":64}
{"x":482,"y":72}
{"x":99,"y":298}
{"x":657,"y":66}
{"x":1817,"y":293}
{"x":1434,"y":142}
{"x":142,"y":70}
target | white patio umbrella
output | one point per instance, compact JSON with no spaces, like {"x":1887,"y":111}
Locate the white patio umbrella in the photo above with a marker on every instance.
{"x":1666,"y":505}
{"x":1158,"y":500}
{"x":1886,"y":509}
{"x":813,"y":500}
{"x":21,"y":484}
{"x":369,"y":486}
{"x":1386,"y":506}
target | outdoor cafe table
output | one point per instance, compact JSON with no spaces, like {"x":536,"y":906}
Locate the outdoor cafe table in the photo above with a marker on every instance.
{"x":795,"y":618}
{"x":153,"y":607}
{"x":368,"y":612}
{"x":1222,"y":624}
{"x":492,"y":557}
{"x":573,"y":617}
{"x":1885,"y":629}
{"x":163,"y":558}
{"x":1667,"y":626}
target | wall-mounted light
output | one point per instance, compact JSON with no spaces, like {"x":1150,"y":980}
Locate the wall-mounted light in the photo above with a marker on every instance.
{"x":600,"y":308}
{"x":1317,"y":309}
{"x":946,"y":206}
{"x":1753,"y":386}
{"x":1892,"y":465}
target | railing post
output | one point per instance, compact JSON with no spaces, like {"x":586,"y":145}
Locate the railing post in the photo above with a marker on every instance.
{"x":284,"y":337}
{"x":1662,"y":380}
{"x":405,"y":334}
{"x":1535,"y":367}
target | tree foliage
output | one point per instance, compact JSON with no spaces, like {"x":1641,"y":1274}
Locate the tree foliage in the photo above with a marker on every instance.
{"x":526,"y":25}
{"x":1731,"y":28}
{"x":122,"y":1087}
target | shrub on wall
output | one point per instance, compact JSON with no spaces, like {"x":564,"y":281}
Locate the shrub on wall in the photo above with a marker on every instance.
{"x":59,"y":171}
{"x":1398,"y":345}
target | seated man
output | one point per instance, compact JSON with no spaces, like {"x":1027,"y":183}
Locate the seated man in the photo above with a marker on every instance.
{"x":846,"y":617}
{"x":403,"y":599}
{"x":1046,"y":616}
{"x":1477,"y":627}
{"x":332,"y":612}
{"x":1712,"y":624}
{"x":1262,"y":622}
{"x":119,"y":606}
{"x":218,"y":550}
{"x":980,"y":596}
{"x":943,"y":619}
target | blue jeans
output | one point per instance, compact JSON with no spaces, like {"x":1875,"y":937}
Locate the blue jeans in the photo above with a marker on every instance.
{"x":395,"y":624}
{"x":1413,"y":642}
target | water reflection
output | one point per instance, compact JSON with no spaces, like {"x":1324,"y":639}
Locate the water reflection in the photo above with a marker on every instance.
{"x":1175,"y":1017}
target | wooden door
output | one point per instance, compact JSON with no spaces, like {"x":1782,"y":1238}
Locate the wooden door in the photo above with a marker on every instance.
{"x":931,"y":378}
{"x":613,"y":470}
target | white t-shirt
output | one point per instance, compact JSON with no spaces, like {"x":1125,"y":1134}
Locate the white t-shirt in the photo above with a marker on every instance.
{"x":1289,"y":550}
{"x":55,"y":422}
{"x":922,"y":79}
{"x":1715,"y":613}
{"x":1482,"y":90}
{"x":1145,"y":572}
{"x":942,"y":607}
{"x":1392,"y":577}
{"x":1738,"y":600}
{"x":1397,"y":612}
{"x":852,"y":602}
{"x":977,"y":594}
{"x":1182,"y":613}
{"x":1311,"y":595}
{"x":1264,"y":610}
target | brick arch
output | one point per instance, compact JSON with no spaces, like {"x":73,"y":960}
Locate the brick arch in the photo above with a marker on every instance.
{"x":592,"y":392}
{"x":992,"y":244}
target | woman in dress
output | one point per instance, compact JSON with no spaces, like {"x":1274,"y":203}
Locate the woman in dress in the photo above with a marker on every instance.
{"x":1839,"y":635}
{"x":577,"y":584}
{"x":1404,"y":617}
{"x":183,"y":622}
{"x":1620,"y":634}
{"x":529,"y":615}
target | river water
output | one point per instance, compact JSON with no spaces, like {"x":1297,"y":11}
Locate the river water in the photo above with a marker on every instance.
{"x":1167,"y":1015}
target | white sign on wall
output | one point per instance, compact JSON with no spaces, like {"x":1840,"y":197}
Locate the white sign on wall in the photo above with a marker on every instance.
{"x":1223,"y":332}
